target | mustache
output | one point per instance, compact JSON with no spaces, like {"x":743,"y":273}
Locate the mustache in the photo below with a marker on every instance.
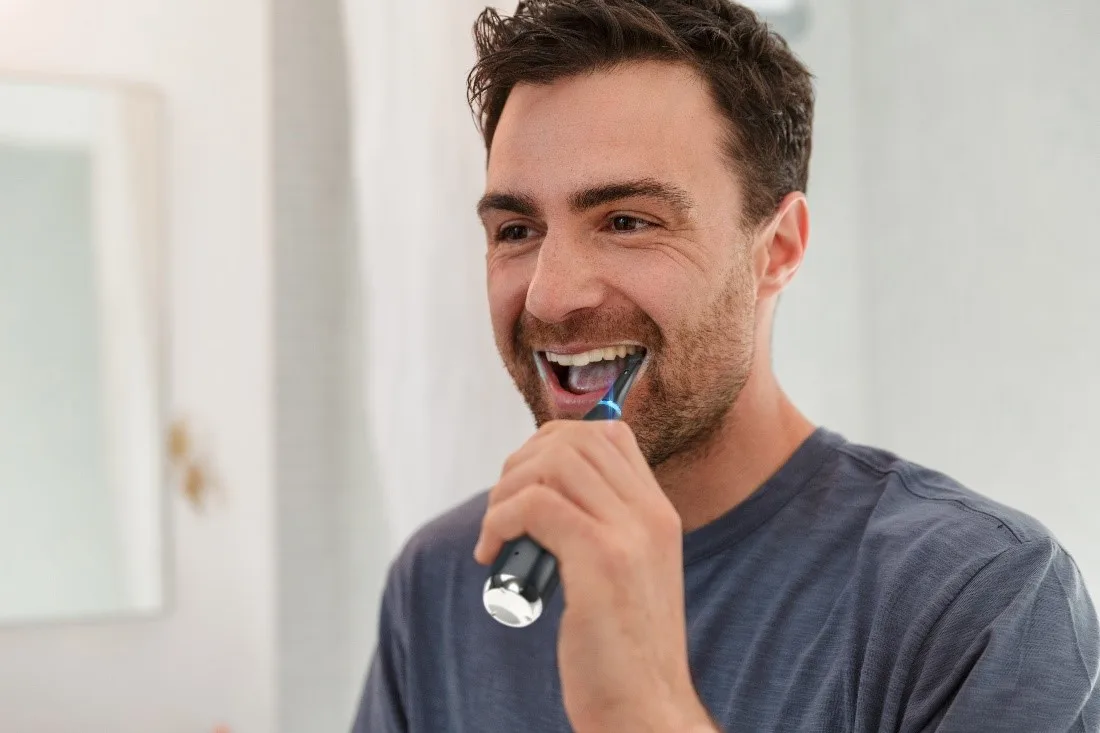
{"x":588,"y":325}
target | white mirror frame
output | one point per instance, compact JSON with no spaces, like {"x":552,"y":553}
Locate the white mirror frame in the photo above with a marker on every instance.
{"x":124,"y":136}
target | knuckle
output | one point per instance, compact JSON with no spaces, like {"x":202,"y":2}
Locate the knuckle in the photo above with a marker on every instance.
{"x":548,"y":465}
{"x":621,"y":436}
{"x":534,"y":499}
{"x":662,"y":522}
{"x":616,"y":553}
{"x":620,"y":428}
{"x":511,"y":462}
{"x":552,"y":426}
{"x":539,"y":471}
{"x":536,"y":495}
{"x":504,"y":489}
{"x":497,"y":493}
{"x":563,"y":452}
{"x":508,"y":509}
{"x":666,"y":521}
{"x":620,"y":431}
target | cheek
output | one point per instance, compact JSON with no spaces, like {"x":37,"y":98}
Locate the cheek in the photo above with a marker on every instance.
{"x":665,"y":295}
{"x":507,"y":283}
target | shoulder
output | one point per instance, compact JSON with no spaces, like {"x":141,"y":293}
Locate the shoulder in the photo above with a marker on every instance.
{"x":452,"y":531}
{"x":437,"y":560}
{"x":925,"y":508}
{"x":936,"y":557}
{"x":923,"y":536}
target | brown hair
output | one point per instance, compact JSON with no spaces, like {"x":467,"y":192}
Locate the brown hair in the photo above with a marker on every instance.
{"x":764,"y":91}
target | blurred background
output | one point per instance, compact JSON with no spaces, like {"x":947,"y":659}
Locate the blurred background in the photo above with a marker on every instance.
{"x":244,"y":345}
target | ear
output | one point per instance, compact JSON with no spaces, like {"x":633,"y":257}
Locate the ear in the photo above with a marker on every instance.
{"x":782,"y":245}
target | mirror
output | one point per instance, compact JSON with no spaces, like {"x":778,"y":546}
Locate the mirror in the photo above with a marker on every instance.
{"x":81,"y":426}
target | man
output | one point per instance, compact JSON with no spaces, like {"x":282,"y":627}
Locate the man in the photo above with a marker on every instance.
{"x":725,"y":564}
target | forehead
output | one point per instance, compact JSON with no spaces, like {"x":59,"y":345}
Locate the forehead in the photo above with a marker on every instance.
{"x":647,"y":119}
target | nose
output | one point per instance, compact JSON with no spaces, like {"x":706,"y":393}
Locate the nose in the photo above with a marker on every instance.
{"x":566,"y":280}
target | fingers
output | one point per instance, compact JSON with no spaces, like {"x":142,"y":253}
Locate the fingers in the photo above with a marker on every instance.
{"x":571,"y":479}
{"x":611,"y":454}
{"x":564,"y":467}
{"x":542,"y":513}
{"x":550,"y":457}
{"x":647,"y":497}
{"x":619,"y":434}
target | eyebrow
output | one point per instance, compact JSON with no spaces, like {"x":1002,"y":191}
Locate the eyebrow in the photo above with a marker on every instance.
{"x":514,"y":203}
{"x":590,"y":198}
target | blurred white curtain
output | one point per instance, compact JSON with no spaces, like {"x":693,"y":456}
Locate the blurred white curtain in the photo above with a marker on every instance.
{"x":442,"y":413}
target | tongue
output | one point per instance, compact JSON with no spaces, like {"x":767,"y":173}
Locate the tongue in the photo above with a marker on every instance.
{"x":595,"y":377}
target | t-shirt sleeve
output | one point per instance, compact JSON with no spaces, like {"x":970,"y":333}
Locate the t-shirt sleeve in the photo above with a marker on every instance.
{"x":1017,"y":650}
{"x":382,"y":706}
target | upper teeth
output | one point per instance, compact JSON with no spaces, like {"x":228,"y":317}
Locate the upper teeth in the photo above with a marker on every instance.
{"x":607,"y":353}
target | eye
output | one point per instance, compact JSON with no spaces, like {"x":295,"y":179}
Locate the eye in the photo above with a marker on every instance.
{"x":513,"y":233}
{"x":624,"y":223}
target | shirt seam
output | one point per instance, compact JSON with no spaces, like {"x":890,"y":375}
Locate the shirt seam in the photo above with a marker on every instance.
{"x":958,"y":594}
{"x":951,"y":604}
{"x":901,"y":471}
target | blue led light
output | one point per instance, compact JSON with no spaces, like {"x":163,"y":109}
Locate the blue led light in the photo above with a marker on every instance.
{"x":618,"y":410}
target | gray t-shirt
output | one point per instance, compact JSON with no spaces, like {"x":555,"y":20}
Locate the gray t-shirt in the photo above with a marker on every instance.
{"x":854,"y":591}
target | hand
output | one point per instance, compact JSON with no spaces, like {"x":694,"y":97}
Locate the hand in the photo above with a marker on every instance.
{"x":583,"y":491}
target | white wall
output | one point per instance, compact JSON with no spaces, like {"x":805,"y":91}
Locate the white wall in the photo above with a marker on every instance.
{"x":820,"y":342}
{"x":979,"y":177}
{"x":333,"y":540}
{"x":211,"y":657}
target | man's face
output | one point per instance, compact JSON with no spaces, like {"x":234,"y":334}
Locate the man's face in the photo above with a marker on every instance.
{"x":613,"y":222}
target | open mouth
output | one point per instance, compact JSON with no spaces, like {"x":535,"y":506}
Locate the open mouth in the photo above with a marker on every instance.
{"x":586,"y":373}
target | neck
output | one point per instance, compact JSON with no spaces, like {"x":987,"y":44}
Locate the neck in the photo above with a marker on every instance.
{"x":759,"y":434}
